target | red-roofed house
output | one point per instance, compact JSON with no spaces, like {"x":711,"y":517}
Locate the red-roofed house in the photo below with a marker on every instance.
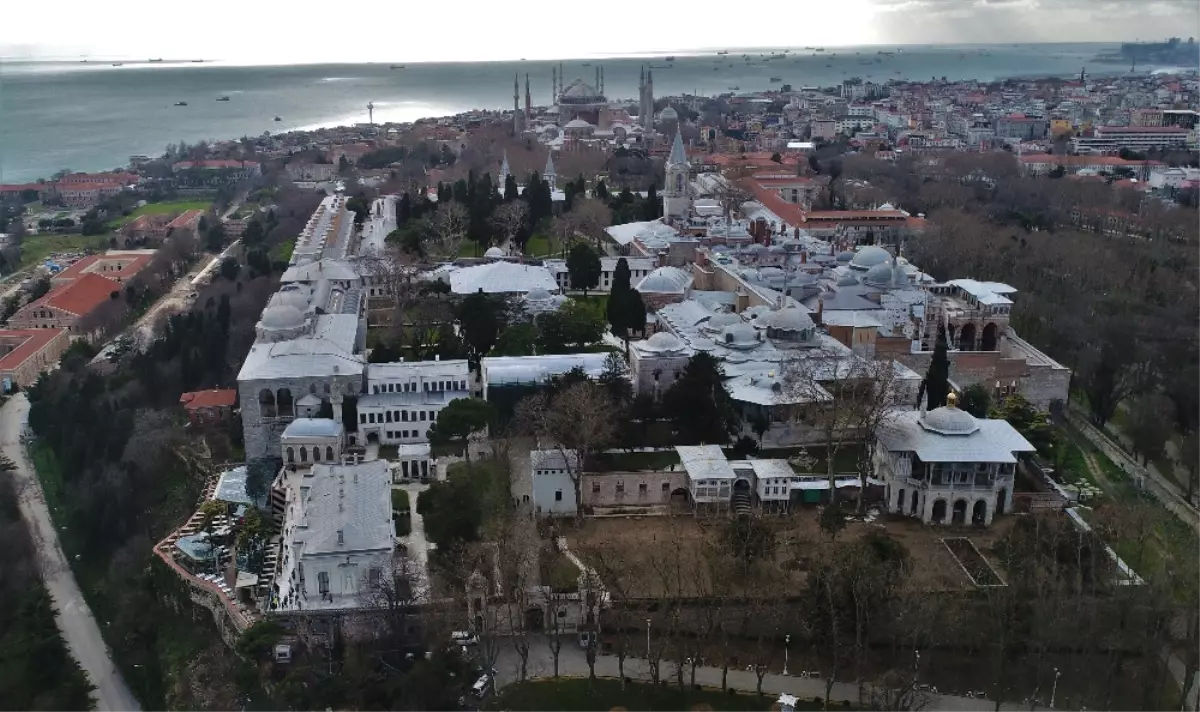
{"x":83,"y":195}
{"x":144,"y":230}
{"x":25,"y":353}
{"x":63,"y":307}
{"x":117,"y":266}
{"x":211,"y":406}
{"x":217,"y":171}
{"x":189,"y":221}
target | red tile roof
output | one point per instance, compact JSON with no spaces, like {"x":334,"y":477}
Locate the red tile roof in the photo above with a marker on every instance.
{"x":80,"y":296}
{"x":21,"y":187}
{"x":216,"y":397}
{"x":134,"y":264}
{"x":34,"y":340}
{"x":184,"y":219}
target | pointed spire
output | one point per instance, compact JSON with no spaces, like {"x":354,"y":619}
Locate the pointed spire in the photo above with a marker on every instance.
{"x":678,"y":155}
{"x":504,"y":172}
{"x":553,"y":85}
{"x":549,"y":172}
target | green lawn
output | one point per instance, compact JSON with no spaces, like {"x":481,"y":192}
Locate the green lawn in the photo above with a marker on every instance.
{"x":172,"y":206}
{"x":36,"y":248}
{"x":399,"y":500}
{"x":543,"y":246}
{"x":580,"y":694}
{"x":283,"y":251}
{"x":598,"y":301}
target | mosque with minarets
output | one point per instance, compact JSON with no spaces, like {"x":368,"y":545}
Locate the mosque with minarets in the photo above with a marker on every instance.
{"x":582,"y":117}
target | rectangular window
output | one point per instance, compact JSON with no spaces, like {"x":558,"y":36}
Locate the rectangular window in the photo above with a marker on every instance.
{"x":595,"y":488}
{"x":374,"y":575}
{"x":620,"y":486}
{"x":642,"y":488}
{"x":362,"y":418}
{"x":422,"y":416}
{"x":666,"y":486}
{"x":557,"y":495}
{"x":323,"y":582}
{"x":404,"y":416}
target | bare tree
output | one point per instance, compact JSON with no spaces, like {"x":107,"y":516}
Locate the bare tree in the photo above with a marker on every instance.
{"x":450,"y":228}
{"x":591,"y":217}
{"x":518,"y":563}
{"x":575,"y":422}
{"x":392,"y":601}
{"x":510,"y":218}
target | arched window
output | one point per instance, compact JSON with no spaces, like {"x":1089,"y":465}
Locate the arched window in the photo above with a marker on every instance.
{"x":316,"y":453}
{"x":291,"y":455}
{"x":678,"y":182}
{"x":329,"y":452}
{"x":283,"y":399}
{"x":303,"y":454}
{"x":266,"y":403}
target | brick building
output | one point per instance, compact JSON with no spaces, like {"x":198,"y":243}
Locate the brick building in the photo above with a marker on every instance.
{"x":25,"y":353}
{"x":62,"y":308}
{"x":208,"y":407}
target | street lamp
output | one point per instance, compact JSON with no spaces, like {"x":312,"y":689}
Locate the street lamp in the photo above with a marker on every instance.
{"x":1054,"y":688}
{"x":786,"y":639}
{"x":647,"y":639}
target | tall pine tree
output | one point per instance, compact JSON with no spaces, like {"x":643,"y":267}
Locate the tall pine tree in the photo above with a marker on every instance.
{"x":936,"y":384}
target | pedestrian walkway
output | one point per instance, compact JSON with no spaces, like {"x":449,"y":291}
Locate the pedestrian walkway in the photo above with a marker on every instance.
{"x":573,"y":663}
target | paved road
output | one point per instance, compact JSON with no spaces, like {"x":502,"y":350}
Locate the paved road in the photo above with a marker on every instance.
{"x":74,"y":617}
{"x":573,"y":663}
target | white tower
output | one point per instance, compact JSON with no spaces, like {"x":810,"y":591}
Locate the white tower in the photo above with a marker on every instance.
{"x":516,"y":106}
{"x":676,"y":203}
{"x":504,"y":171}
{"x":550,"y":175}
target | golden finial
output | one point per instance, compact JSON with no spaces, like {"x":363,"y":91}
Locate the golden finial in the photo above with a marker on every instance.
{"x":951,"y":400}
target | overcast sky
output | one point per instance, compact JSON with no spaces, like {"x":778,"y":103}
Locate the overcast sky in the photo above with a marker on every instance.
{"x":287,"y":31}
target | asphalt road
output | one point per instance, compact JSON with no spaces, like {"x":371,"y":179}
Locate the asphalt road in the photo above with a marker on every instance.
{"x":73,"y":615}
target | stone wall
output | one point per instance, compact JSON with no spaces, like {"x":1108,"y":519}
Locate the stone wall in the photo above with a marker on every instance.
{"x":262,"y":433}
{"x":600,"y":490}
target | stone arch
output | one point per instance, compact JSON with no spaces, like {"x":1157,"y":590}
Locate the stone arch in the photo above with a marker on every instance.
{"x":939,"y":511}
{"x":979,"y":513}
{"x":1001,"y":499}
{"x":303,"y":454}
{"x":959,"y":514}
{"x":291,"y":454}
{"x":266,"y":403}
{"x":987,"y":341}
{"x":913,"y":507}
{"x":966,"y":338}
{"x":316,"y":453}
{"x":900,"y":500}
{"x":329,"y":453}
{"x":283,"y":399}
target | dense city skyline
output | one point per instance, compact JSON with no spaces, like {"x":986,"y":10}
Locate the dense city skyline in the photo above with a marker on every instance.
{"x":498,"y":34}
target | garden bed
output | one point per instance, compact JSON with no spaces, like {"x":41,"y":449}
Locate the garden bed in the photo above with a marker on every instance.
{"x":978,"y":569}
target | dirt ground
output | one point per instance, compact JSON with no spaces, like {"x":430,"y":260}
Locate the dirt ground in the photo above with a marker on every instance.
{"x":685,"y":555}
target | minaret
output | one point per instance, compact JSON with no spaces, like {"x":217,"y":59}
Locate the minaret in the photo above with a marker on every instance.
{"x":516,"y":107}
{"x":602,"y":79}
{"x":528,"y":103}
{"x":554,"y":85}
{"x":371,"y":112}
{"x":642,"y":97}
{"x":504,"y":171}
{"x":650,"y":98}
{"x":549,"y":174}
{"x":675,"y":193}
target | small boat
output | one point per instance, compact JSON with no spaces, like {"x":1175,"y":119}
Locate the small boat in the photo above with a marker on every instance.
{"x":222,"y":98}
{"x":735,"y":87}
{"x":586,"y":64}
{"x":181,"y":103}
{"x":724,"y":51}
{"x":117,"y":64}
{"x":155,"y":61}
{"x":777,"y":79}
{"x":278,"y":119}
{"x":671,"y":58}
{"x":397,"y":66}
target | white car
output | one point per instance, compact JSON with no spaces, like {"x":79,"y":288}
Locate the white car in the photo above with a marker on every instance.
{"x":464,"y":638}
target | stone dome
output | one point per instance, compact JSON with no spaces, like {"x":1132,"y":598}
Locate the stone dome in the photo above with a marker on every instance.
{"x":577,"y":124}
{"x":715,"y":323}
{"x":739,"y":336}
{"x":777,"y":249}
{"x":880,"y":275}
{"x":665,"y":280}
{"x":949,"y":420}
{"x":538,"y":295}
{"x":292,"y":298}
{"x":846,"y":256}
{"x":847,"y":280}
{"x":668,"y":114}
{"x":662,"y":342}
{"x":494,"y":253}
{"x":869,"y":256}
{"x":282,"y":316}
{"x":787,"y":319}
{"x":755,"y":247}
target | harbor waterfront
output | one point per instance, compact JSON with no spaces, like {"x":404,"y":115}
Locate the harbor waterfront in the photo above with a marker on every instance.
{"x":94,"y":115}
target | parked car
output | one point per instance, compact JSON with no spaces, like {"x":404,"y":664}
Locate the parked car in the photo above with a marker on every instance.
{"x":464,"y":638}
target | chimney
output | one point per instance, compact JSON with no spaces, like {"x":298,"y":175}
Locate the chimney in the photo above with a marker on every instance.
{"x":803,"y":257}
{"x":819,"y":317}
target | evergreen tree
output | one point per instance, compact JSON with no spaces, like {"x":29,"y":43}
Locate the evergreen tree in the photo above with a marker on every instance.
{"x":620,"y":288}
{"x":652,"y":205}
{"x":443,"y":193}
{"x":699,"y":405}
{"x":583,"y":266}
{"x":510,"y":189}
{"x":601,"y":190}
{"x":404,"y":209}
{"x":936,"y":384}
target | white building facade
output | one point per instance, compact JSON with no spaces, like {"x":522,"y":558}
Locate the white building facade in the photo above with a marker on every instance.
{"x":403,"y":400}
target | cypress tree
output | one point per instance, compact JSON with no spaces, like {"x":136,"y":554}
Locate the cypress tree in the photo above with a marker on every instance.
{"x":936,"y":384}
